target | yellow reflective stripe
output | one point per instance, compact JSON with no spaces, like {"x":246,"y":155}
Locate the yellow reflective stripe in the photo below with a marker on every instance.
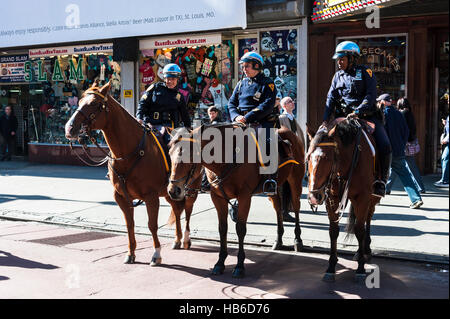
{"x":288,"y":162}
{"x":162,"y":152}
{"x":259,"y":151}
{"x":328,"y":144}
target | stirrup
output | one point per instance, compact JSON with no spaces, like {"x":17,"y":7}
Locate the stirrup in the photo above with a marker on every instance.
{"x":267,"y":184}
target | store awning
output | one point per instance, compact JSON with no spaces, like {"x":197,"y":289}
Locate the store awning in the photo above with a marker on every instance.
{"x":329,"y":10}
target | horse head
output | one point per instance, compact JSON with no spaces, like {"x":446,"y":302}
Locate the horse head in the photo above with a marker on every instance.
{"x":321,"y":161}
{"x":185,"y":170}
{"x":91,"y":112}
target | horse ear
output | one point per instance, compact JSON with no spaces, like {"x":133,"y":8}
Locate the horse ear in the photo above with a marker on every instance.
{"x":105,"y":88}
{"x":332,"y":131}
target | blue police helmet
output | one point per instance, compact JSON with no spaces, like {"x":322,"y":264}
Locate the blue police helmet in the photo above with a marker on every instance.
{"x":171,"y":70}
{"x":346,"y":48}
{"x":252,"y":57}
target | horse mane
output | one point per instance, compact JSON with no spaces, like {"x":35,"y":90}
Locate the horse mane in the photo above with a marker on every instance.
{"x":347,"y":131}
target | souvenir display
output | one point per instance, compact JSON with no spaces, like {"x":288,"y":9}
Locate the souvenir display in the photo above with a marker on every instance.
{"x":62,"y":81}
{"x":206,"y":74}
{"x":279,"y":51}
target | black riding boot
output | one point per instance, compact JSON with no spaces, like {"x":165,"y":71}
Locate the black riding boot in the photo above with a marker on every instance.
{"x":379,"y":186}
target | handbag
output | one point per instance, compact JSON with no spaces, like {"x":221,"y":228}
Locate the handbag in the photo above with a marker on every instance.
{"x":412,"y":148}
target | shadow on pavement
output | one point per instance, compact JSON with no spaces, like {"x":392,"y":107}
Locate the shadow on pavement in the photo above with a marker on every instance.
{"x":9,"y":260}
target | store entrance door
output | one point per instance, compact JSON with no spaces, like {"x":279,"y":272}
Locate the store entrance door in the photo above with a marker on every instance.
{"x":17,"y":96}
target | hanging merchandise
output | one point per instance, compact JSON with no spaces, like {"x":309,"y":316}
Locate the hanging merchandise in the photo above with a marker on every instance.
{"x":148,"y":76}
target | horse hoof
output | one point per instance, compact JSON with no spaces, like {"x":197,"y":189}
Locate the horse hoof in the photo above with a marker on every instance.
{"x":156,"y":262}
{"x":360,"y":278}
{"x":176,"y":245}
{"x":218,"y":270}
{"x":238,"y":272}
{"x":277,"y":245}
{"x":328,"y":277}
{"x":129,"y":259}
{"x":187,"y":245}
{"x":298,"y":246}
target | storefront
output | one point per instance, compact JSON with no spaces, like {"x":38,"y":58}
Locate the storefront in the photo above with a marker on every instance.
{"x":408,"y":55}
{"x":209,"y":64}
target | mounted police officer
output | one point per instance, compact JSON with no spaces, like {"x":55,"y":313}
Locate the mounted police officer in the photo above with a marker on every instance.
{"x":253,"y":101}
{"x":353,"y":94}
{"x":162,"y":105}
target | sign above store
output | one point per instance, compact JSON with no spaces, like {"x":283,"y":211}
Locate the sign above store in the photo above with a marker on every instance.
{"x":49,"y":21}
{"x":86,"y":49}
{"x":182,"y":41}
{"x":334,"y":9}
{"x":12,"y":68}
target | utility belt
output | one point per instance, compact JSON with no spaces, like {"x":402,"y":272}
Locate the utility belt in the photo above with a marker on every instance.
{"x":343,"y":110}
{"x":161,"y":116}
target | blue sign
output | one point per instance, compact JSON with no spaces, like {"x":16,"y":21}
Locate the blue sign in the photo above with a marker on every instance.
{"x":12,"y":68}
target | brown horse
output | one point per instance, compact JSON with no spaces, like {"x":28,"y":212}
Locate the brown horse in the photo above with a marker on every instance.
{"x":341,"y":166}
{"x":237,"y":180}
{"x":137,"y":166}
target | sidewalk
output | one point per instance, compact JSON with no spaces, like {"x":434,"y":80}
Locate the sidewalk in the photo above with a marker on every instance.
{"x":82,"y":197}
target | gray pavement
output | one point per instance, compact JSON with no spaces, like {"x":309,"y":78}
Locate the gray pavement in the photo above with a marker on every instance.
{"x":82,"y":197}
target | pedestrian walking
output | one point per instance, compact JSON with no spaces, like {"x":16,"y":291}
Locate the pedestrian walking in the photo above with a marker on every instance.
{"x":412,"y":147}
{"x":398,"y":132}
{"x":8,"y":129}
{"x":443,"y":182}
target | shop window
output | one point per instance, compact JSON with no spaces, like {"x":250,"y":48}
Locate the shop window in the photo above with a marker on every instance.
{"x":386,"y":56}
{"x":279,"y":51}
{"x":206,"y":78}
{"x":57,"y":83}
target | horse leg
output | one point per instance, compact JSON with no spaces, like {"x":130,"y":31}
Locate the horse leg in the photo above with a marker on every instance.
{"x":360,"y":233}
{"x":222,"y":213}
{"x":241,"y":230}
{"x":177,"y":208}
{"x":128,"y":213}
{"x":368,"y":240}
{"x":330,"y":274}
{"x":189,"y":205}
{"x":276,"y":202}
{"x":152,"y":204}
{"x":296,"y":192}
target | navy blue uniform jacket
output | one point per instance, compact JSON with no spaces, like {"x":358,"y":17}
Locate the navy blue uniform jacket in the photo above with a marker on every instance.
{"x":356,"y":87}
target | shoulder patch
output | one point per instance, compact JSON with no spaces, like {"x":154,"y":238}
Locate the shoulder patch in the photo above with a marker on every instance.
{"x":178,"y":97}
{"x":369,"y":71}
{"x":271,"y":86}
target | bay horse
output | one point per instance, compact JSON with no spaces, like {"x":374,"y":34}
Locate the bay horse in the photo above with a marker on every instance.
{"x":138,"y":167}
{"x":237,"y":180}
{"x":341,"y":166}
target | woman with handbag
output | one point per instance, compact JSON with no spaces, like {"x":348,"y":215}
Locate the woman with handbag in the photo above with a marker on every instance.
{"x":412,"y":147}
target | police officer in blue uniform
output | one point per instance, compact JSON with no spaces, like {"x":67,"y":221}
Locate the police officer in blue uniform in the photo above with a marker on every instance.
{"x":162,"y":104}
{"x":253,"y":101}
{"x":353,"y":94}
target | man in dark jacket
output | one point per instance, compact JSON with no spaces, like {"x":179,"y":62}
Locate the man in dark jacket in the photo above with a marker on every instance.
{"x":8,"y":129}
{"x":398,"y":132}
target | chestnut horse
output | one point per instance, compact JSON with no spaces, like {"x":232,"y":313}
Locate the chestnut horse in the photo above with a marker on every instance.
{"x":237,"y":180}
{"x":137,"y":165}
{"x":341,"y":166}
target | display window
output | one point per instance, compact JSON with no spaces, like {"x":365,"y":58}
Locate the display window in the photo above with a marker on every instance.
{"x":386,"y":56}
{"x":279,"y":51}
{"x":206,"y":79}
{"x":56,"y":84}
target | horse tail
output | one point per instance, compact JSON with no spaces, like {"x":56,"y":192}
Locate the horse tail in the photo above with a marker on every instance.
{"x":350,"y":228}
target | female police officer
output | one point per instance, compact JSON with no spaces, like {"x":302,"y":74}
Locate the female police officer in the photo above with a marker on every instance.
{"x":162,"y":104}
{"x":353,"y":94}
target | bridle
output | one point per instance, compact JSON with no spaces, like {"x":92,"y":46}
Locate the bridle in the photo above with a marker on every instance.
{"x":326,"y":186}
